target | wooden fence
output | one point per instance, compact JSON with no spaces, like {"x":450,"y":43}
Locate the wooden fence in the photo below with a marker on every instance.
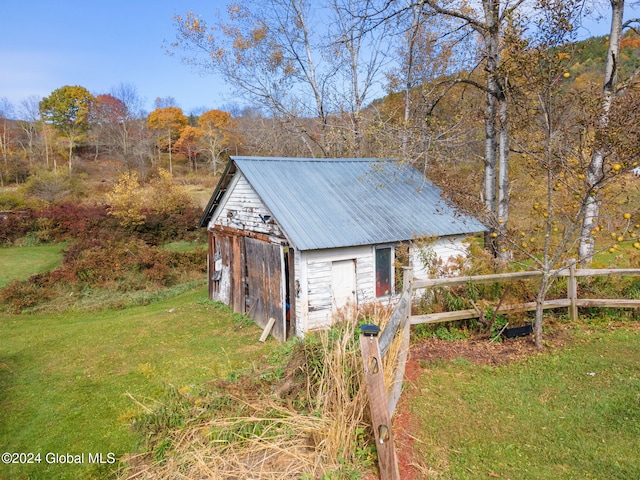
{"x":572,"y":302}
{"x":383,"y":400}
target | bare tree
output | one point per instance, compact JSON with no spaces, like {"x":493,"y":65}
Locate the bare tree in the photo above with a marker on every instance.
{"x":6,"y":132}
{"x":310,"y":66}
{"x":130,"y":132}
{"x":32,"y":140}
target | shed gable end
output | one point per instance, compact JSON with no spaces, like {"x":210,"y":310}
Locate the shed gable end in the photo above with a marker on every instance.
{"x":242,"y":208}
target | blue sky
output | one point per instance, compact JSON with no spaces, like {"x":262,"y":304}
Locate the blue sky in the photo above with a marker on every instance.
{"x":99,"y":44}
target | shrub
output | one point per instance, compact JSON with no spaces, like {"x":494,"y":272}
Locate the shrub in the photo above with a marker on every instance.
{"x":110,"y":264}
{"x":15,"y":224}
{"x":22,"y":294}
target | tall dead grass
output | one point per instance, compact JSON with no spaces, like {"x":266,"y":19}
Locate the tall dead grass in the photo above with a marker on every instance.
{"x":317,"y":425}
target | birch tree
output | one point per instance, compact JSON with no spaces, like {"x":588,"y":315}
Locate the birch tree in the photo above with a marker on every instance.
{"x":596,"y":172}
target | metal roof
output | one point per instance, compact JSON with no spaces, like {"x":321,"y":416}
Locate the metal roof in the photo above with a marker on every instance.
{"x":329,"y":203}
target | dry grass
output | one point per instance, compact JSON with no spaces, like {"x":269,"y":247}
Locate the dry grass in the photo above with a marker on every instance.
{"x":313,"y":421}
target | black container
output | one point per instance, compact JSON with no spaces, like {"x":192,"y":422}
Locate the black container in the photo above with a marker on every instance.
{"x":518,"y":331}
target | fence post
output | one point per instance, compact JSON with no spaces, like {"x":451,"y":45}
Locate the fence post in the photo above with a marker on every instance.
{"x":377,"y":393}
{"x":405,"y":333}
{"x":572,"y":291}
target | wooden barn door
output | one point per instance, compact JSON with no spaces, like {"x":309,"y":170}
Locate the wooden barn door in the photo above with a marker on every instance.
{"x":266,"y":288}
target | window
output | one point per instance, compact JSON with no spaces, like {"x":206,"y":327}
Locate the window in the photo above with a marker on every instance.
{"x":384,"y":272}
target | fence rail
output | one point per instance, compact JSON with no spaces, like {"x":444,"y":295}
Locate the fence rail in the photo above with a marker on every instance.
{"x":572,"y":302}
{"x":373,"y":349}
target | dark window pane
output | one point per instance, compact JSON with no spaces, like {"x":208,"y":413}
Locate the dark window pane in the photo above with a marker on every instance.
{"x":383,"y":272}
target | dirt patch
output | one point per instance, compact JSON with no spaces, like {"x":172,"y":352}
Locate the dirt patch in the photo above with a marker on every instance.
{"x":481,"y":351}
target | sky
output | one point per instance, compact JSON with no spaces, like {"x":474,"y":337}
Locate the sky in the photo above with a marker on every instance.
{"x":100,"y":44}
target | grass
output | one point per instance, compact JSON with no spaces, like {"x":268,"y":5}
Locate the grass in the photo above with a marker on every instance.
{"x":182,"y":246}
{"x":65,"y":379}
{"x":18,"y":263}
{"x":568,"y":414}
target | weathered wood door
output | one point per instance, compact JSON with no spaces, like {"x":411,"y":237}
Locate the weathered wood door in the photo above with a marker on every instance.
{"x":266,"y":288}
{"x":343,"y":283}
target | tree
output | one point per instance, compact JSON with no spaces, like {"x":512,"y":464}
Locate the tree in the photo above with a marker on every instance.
{"x":126,"y":200}
{"x":546,"y":126}
{"x":489,"y":22}
{"x":596,"y":171}
{"x":420,"y":116}
{"x":278,"y":55}
{"x":32,"y":140}
{"x":67,"y":110}
{"x":189,"y":144}
{"x":6,"y":133}
{"x":132,"y":137}
{"x":217,"y":127}
{"x":169,"y":122}
{"x":487,"y":19}
{"x":131,"y":202}
{"x":107,"y":114}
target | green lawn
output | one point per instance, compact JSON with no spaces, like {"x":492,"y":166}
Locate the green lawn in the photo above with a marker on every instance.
{"x":64,"y":379}
{"x":570,"y":414}
{"x":18,"y":263}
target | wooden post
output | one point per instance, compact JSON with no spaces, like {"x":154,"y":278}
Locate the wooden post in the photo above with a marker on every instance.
{"x":381,"y":422}
{"x":572,"y":291}
{"x":405,"y":332}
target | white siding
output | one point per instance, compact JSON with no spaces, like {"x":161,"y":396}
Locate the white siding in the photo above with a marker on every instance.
{"x":242,"y":208}
{"x":314,"y":274}
{"x":313,"y":271}
{"x":446,"y":249}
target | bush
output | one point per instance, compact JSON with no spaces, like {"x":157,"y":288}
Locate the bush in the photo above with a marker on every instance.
{"x":15,"y":224}
{"x":120,"y":266}
{"x":22,"y":294}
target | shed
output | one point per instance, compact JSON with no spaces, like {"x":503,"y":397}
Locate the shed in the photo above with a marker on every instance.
{"x":296,"y":239}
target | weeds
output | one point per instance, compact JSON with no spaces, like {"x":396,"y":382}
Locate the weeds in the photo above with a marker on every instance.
{"x":303,"y":414}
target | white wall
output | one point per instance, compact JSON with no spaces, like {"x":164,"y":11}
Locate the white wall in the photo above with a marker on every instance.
{"x":315,"y":301}
{"x":446,"y":249}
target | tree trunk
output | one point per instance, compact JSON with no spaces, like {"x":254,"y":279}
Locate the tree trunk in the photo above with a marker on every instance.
{"x":495,"y":108}
{"x":503,"y":177}
{"x":540,"y":296}
{"x":537,"y":328}
{"x":595,"y":172}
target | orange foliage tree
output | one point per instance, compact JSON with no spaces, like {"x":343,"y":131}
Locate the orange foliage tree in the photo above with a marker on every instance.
{"x":217,"y":126}
{"x":169,"y":123}
{"x":189,"y":144}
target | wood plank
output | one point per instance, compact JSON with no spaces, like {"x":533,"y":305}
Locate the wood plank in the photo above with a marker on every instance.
{"x":381,"y":422}
{"x":472,"y":313}
{"x":572,"y":293}
{"x":403,"y":353}
{"x":267,"y":329}
{"x":397,"y":315}
{"x":595,"y":272}
{"x":453,"y":281}
{"x":235,"y":232}
{"x":608,"y":303}
{"x":583,"y":272}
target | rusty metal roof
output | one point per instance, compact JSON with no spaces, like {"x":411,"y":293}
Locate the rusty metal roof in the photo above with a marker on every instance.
{"x":330,"y":203}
